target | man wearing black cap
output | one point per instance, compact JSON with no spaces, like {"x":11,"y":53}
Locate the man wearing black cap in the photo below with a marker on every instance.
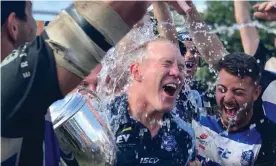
{"x":191,"y":99}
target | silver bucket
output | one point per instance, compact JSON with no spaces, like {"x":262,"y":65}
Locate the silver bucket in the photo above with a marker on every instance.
{"x":82,"y":131}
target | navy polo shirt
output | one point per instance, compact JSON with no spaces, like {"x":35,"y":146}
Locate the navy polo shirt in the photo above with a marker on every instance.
{"x":173,"y":144}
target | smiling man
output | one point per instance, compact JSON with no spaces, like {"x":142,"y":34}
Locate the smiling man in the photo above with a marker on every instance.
{"x":145,"y":130}
{"x":245,"y":143}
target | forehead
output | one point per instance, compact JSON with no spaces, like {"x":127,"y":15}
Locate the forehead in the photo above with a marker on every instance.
{"x":229,"y":80}
{"x":159,"y":50}
{"x":188,"y":44}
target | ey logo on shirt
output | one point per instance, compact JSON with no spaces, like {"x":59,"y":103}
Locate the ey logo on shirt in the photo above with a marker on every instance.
{"x":122,"y":138}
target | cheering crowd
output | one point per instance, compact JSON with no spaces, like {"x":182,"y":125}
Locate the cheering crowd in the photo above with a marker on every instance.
{"x":159,"y":115}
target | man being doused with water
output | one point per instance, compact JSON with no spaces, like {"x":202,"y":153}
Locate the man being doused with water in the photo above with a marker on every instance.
{"x":145,"y":130}
{"x":234,"y":139}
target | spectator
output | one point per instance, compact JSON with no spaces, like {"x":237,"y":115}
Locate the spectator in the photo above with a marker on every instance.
{"x":41,"y":72}
{"x":17,"y":25}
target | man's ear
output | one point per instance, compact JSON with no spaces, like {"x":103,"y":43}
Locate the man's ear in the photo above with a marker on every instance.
{"x":257,"y":92}
{"x":135,"y":72}
{"x":13,"y":27}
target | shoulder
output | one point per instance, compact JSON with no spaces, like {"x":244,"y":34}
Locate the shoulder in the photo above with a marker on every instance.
{"x":268,"y":96}
{"x":195,"y":93}
{"x":266,"y":154}
{"x":117,"y":105}
{"x":117,"y":112}
{"x":180,"y":123}
{"x":209,"y":123}
{"x":29,"y":53}
{"x":263,"y":52}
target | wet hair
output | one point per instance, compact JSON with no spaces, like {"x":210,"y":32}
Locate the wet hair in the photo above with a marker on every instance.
{"x":242,"y":65}
{"x":7,"y":7}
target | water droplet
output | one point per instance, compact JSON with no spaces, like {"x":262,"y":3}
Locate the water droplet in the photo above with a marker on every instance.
{"x":252,"y":126}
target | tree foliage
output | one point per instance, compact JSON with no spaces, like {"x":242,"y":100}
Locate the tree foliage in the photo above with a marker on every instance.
{"x":219,"y":15}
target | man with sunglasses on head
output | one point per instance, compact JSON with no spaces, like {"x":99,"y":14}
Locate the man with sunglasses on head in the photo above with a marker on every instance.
{"x":192,"y":96}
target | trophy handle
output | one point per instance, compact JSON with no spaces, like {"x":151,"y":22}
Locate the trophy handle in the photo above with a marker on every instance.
{"x":92,"y":94}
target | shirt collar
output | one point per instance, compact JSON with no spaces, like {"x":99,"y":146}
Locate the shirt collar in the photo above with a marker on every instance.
{"x":125,"y":118}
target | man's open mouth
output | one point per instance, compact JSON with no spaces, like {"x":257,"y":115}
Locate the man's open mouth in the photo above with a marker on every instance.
{"x":189,"y":64}
{"x":170,"y":88}
{"x":231,"y":111}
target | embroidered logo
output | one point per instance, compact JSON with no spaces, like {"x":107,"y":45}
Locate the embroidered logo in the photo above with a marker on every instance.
{"x":168,"y":142}
{"x":247,"y":158}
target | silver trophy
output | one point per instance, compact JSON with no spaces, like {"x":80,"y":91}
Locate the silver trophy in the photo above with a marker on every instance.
{"x":82,"y":131}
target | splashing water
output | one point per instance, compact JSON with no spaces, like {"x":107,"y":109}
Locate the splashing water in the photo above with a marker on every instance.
{"x":232,"y":121}
{"x":230,"y":30}
{"x":116,"y":63}
{"x":114,"y":77}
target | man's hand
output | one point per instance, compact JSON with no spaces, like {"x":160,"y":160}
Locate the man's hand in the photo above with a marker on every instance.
{"x":266,"y":11}
{"x":130,"y":11}
{"x":208,"y":44}
{"x":181,"y":6}
{"x":92,"y":78}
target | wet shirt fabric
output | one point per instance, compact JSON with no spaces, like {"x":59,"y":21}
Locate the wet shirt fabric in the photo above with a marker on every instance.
{"x":188,"y":105}
{"x":29,"y":87}
{"x":263,"y":54}
{"x":250,"y":145}
{"x":173,"y":145}
{"x":266,"y":103}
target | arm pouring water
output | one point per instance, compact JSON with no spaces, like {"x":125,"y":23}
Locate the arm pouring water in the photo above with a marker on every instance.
{"x":166,"y":27}
{"x":207,"y":43}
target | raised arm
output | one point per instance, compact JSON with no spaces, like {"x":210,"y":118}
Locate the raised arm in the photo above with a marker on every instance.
{"x":97,"y":27}
{"x":208,"y":44}
{"x":249,"y":35}
{"x":166,"y":27}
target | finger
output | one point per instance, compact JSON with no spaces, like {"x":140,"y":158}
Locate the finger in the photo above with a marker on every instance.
{"x":261,"y":15}
{"x":256,"y":6}
{"x":92,"y":87}
{"x":269,"y":16}
{"x":262,"y":6}
{"x":184,"y":6}
{"x":270,"y":6}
